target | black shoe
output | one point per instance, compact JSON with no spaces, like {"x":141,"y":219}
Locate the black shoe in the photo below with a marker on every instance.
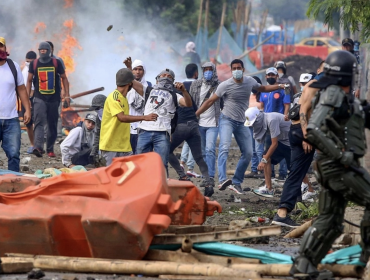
{"x":281,"y":178}
{"x":207,"y":183}
{"x":208,"y":191}
{"x":223,"y":185}
{"x":37,"y":152}
{"x":184,"y":178}
{"x":236,"y":188}
{"x":247,"y":189}
{"x":251,"y":175}
{"x":286,"y":222}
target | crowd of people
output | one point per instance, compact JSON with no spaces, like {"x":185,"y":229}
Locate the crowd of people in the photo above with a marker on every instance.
{"x":139,"y":117}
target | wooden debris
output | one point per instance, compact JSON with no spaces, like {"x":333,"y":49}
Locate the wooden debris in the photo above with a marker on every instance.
{"x":218,"y":235}
{"x":193,"y":229}
{"x":298,"y":232}
{"x":9,"y":265}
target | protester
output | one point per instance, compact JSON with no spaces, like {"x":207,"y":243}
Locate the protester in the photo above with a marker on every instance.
{"x":54,"y":56}
{"x":11,"y":87}
{"x":201,"y":90}
{"x":115,"y":125}
{"x":97,"y":105}
{"x":276,"y":141}
{"x":136,"y":101}
{"x":279,"y":102}
{"x":76,"y":147}
{"x":47,"y":95}
{"x":284,"y":78}
{"x":191,"y":55}
{"x":30,"y":56}
{"x":191,"y":71}
{"x":188,"y":130}
{"x":257,"y":147}
{"x":235,"y":93}
{"x":162,"y":100}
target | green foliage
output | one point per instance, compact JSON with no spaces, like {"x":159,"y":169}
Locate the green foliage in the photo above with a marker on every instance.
{"x":288,"y":10}
{"x":355,"y":13}
{"x":308,"y":212}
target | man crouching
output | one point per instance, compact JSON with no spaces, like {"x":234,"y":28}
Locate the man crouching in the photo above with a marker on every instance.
{"x":77,"y":146}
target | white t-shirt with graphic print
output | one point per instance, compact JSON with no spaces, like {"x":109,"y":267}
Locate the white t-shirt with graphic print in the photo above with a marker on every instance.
{"x":159,"y":102}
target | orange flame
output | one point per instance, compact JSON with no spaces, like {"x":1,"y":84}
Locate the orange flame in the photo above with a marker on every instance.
{"x":68,"y":4}
{"x":40,"y":26}
{"x":68,"y":46}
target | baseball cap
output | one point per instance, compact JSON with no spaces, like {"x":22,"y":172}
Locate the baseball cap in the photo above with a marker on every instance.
{"x":2,"y":41}
{"x":271,"y":70}
{"x":348,"y":41}
{"x":124,"y":76}
{"x":91,"y":117}
{"x":305,"y":78}
{"x":167,"y":71}
{"x":251,"y":116}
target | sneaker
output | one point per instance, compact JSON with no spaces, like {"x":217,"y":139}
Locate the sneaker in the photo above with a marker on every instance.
{"x":51,"y":154}
{"x":304,"y":187}
{"x":30,"y":150}
{"x":281,"y":178}
{"x":184,"y":178}
{"x":251,"y":175}
{"x":208,"y":191}
{"x":207,"y":183}
{"x":192,"y":174}
{"x":264,"y":191}
{"x":37,"y":152}
{"x":286,"y":222}
{"x":308,"y":196}
{"x":223,"y":185}
{"x":236,"y":188}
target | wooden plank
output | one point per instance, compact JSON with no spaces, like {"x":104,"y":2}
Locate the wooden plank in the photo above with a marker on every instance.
{"x":217,"y":236}
{"x":194,"y":229}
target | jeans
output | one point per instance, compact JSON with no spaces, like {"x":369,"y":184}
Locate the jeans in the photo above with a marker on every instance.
{"x":157,"y":141}
{"x":10,"y":137}
{"x":187,"y":156}
{"x":133,"y":142}
{"x":300,"y":162}
{"x":209,"y":138}
{"x":283,"y":168}
{"x":188,"y":132}
{"x":258,"y":149}
{"x":45,"y":113}
{"x":109,"y":156}
{"x":243,"y":139}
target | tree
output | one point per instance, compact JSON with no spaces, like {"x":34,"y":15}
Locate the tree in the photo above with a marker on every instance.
{"x":353,"y":14}
{"x":288,"y":10}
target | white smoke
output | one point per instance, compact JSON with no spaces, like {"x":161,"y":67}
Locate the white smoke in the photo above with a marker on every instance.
{"x":102,"y":52}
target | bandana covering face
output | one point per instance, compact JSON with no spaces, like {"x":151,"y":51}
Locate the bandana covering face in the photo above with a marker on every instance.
{"x":164,"y":83}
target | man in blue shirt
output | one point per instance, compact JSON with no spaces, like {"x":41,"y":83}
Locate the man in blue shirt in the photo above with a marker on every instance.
{"x":276,"y":102}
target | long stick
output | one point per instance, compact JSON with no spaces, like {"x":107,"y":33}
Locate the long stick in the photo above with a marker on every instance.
{"x":220,"y":30}
{"x":87,"y":92}
{"x":206,"y":16}
{"x":255,"y":47}
{"x":200,"y":15}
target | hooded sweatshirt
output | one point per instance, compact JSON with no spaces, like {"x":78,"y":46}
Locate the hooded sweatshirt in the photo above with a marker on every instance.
{"x":135,"y":100}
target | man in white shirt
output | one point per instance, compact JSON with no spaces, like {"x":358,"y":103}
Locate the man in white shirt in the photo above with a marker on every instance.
{"x":11,"y":85}
{"x":76,"y":148}
{"x":30,"y":56}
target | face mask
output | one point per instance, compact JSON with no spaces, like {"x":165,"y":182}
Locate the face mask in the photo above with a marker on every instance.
{"x":302,"y":88}
{"x":208,"y":75}
{"x":3,"y":55}
{"x":27,"y":63}
{"x":165,"y":82}
{"x":280,"y":74}
{"x":271,"y":81}
{"x":237,"y":74}
{"x":100,"y":113}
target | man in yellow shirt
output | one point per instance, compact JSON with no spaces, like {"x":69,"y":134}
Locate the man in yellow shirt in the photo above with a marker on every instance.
{"x":115,"y":126}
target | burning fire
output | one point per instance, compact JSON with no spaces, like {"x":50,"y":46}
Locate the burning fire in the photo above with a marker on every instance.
{"x":70,"y":118}
{"x":68,"y":46}
{"x":40,"y":26}
{"x":68,"y":4}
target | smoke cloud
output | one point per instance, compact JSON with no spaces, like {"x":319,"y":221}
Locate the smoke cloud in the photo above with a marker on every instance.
{"x":101,"y":52}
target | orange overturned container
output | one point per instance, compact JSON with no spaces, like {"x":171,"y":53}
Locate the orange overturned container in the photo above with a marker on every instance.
{"x":111,"y":212}
{"x":194,"y":208}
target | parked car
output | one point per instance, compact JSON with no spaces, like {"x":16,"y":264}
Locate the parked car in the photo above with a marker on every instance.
{"x":317,"y":46}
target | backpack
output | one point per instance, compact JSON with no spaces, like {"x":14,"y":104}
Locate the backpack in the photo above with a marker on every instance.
{"x":174,"y":98}
{"x":14,"y":72}
{"x":55,"y":63}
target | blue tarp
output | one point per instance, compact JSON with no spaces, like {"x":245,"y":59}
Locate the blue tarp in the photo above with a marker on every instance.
{"x":5,"y":171}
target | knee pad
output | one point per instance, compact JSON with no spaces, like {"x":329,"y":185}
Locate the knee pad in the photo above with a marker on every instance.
{"x":331,"y":203}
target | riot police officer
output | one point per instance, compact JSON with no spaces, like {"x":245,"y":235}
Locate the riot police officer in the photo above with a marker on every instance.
{"x":336,"y":129}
